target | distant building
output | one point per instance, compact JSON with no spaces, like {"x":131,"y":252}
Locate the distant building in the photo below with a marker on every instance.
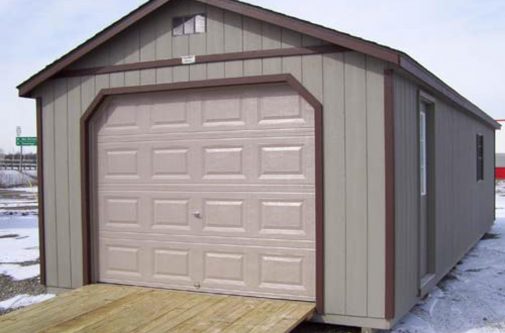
{"x":500,"y":151}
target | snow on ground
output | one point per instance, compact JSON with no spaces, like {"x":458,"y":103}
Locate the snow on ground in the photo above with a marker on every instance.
{"x":12,"y":178}
{"x":19,"y":248}
{"x":472,"y":298}
{"x":23,"y":300}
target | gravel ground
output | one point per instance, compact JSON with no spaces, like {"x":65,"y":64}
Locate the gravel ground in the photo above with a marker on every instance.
{"x":10,"y":288}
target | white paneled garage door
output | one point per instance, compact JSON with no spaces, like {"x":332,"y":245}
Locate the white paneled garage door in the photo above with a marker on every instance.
{"x":210,"y":190}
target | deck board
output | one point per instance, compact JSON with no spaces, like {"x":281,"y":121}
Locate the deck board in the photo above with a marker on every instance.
{"x":111,"y":308}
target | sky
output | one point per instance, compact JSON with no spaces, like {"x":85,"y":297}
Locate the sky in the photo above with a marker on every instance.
{"x":461,"y":41}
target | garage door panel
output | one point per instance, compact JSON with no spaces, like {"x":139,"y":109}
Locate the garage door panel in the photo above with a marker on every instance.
{"x":242,"y":214}
{"x":211,"y":191}
{"x":277,"y":160}
{"x":261,"y":271}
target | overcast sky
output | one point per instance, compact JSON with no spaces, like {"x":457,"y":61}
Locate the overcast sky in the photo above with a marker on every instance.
{"x":461,"y":41}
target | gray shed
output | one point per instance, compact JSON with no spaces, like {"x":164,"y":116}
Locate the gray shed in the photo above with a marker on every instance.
{"x":215,"y":146}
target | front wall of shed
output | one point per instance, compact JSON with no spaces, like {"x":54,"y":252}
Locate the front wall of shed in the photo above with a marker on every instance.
{"x":464,"y":208}
{"x":350,"y":86}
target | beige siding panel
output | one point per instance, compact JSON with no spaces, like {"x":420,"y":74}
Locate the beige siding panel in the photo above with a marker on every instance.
{"x":164,"y":45}
{"x":233,"y":42}
{"x":215,"y":40}
{"x":117,"y":57}
{"x":180,"y":44}
{"x":375,"y":187}
{"x":463,"y":209}
{"x":252,"y":41}
{"x":132,"y":78}
{"x":51,"y":236}
{"x":291,"y":38}
{"x":198,"y":45}
{"x":61,"y":170}
{"x":356,"y":184}
{"x":292,"y":64}
{"x":334,"y":191}
{"x":312,"y":74}
{"x":271,"y":40}
{"x":406,"y":194}
{"x":148,"y":50}
{"x":87,"y":92}
{"x":74,"y":181}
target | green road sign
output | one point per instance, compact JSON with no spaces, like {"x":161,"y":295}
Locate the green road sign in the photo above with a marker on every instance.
{"x":26,"y":141}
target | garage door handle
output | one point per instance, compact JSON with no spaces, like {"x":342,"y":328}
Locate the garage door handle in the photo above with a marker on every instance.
{"x":197,"y":214}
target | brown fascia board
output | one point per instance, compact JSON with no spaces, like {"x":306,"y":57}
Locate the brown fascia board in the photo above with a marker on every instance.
{"x":384,"y":53}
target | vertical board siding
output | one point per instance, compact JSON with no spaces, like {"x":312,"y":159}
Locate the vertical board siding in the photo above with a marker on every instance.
{"x":335,"y":198}
{"x":463,"y":208}
{"x":356,"y":184}
{"x":348,"y":84}
{"x":61,"y":169}
{"x":49,"y":186}
{"x":376,"y":208}
{"x":74,"y":179}
{"x":406,"y":195}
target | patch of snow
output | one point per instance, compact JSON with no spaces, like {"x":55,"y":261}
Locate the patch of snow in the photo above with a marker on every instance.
{"x":23,"y":300}
{"x":18,"y":272}
{"x":23,"y":247}
{"x":13,"y":178}
{"x":33,"y":189}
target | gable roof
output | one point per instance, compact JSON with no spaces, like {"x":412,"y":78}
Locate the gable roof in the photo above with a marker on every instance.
{"x":387,"y":54}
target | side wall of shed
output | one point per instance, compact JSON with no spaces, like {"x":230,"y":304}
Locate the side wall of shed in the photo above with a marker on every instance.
{"x":349,"y":85}
{"x":464,"y":207}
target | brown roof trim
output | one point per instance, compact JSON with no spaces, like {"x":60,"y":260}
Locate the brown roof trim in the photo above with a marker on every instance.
{"x":202,"y":59}
{"x":384,"y":53}
{"x":213,"y":83}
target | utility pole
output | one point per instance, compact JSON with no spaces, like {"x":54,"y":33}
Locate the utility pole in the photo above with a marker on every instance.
{"x":18,"y":133}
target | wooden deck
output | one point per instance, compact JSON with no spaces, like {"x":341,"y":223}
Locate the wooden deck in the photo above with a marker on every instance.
{"x":122,"y":309}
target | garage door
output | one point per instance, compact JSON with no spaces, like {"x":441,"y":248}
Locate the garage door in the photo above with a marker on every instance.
{"x":209,"y":190}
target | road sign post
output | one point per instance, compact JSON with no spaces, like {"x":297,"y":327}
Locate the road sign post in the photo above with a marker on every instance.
{"x":22,"y":141}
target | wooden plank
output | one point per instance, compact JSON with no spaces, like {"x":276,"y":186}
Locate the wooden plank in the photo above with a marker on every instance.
{"x":376,"y":188}
{"x":61,"y":171}
{"x":164,"y":45}
{"x":61,"y":308}
{"x":356,"y":185}
{"x":108,"y":308}
{"x":334,"y":192}
{"x":198,"y":45}
{"x":194,"y":305}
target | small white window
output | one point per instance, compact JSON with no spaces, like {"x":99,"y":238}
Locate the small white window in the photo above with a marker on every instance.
{"x":188,"y":25}
{"x":422,"y":150}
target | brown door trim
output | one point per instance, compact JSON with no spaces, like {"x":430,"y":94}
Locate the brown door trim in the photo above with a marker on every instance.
{"x":40,"y":176}
{"x":389,"y":123}
{"x":180,"y":86}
